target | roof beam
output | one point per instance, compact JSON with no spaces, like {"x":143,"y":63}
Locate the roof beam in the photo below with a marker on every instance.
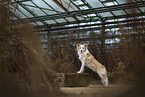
{"x":55,"y":30}
{"x":60,"y":5}
{"x":89,"y":25}
{"x":94,"y":20}
{"x":22,"y":0}
{"x":88,"y":11}
{"x":31,"y":12}
{"x":54,"y":9}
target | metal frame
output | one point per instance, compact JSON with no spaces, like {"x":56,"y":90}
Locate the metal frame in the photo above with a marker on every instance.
{"x":62,"y":29}
{"x":78,"y":26}
{"x":88,"y":11}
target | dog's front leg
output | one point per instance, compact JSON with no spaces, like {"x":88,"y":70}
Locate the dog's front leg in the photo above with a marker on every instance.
{"x":82,"y":68}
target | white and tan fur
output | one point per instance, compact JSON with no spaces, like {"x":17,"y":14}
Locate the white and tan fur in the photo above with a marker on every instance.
{"x":88,"y":60}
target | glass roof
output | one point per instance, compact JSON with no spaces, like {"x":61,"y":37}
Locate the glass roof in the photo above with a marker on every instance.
{"x":142,"y":9}
{"x":95,"y":3}
{"x":43,"y":12}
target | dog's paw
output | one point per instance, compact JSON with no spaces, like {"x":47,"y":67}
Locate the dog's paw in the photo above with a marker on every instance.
{"x":79,"y":57}
{"x":78,"y":72}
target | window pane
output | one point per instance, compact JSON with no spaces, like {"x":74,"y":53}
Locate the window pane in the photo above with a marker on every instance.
{"x":50,"y":21}
{"x":25,"y":12}
{"x":95,"y":3}
{"x":55,"y":6}
{"x":119,"y":12}
{"x":37,"y":11}
{"x":106,"y":14}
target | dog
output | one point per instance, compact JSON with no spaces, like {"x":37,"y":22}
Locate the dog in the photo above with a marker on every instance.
{"x":88,"y":60}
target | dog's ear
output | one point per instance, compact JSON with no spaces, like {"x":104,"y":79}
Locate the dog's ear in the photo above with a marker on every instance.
{"x":78,"y":44}
{"x":86,"y":45}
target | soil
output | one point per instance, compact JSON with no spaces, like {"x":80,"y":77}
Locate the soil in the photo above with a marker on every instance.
{"x":113,"y":90}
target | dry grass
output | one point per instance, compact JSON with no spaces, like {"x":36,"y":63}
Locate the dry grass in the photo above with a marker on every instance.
{"x":63,"y":57}
{"x":21,"y":58}
{"x":128,"y":52}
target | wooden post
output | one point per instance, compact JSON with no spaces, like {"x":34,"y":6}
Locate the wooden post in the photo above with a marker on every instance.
{"x":103,"y":42}
{"x":48,"y":37}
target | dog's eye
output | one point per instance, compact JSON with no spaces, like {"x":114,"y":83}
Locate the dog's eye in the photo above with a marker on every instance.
{"x":83,"y":47}
{"x":80,"y":47}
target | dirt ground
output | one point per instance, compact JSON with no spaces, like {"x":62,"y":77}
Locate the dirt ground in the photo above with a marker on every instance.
{"x":113,"y":90}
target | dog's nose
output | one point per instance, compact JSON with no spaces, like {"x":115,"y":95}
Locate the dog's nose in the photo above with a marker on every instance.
{"x":81,"y":50}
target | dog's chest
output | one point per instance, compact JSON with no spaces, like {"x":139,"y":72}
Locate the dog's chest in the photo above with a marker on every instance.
{"x":82,"y":56}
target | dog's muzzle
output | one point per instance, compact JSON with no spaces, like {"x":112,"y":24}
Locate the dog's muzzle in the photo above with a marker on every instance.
{"x":81,"y":50}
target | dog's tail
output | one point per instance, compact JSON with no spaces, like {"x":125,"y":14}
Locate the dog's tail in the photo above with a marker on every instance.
{"x":106,"y":82}
{"x":104,"y":78}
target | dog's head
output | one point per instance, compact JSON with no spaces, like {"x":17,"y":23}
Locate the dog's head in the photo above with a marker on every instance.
{"x":82,"y":48}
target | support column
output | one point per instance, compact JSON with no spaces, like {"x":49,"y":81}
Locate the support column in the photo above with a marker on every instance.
{"x":103,"y":42}
{"x":48,"y":37}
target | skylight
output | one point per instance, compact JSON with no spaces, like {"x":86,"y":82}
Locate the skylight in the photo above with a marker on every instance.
{"x":115,"y":3}
{"x":111,"y":41}
{"x":91,"y":15}
{"x":98,"y":22}
{"x":111,"y":3}
{"x":82,"y":23}
{"x":84,"y":7}
{"x":122,"y":19}
{"x":78,"y":2}
{"x":85,"y":16}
